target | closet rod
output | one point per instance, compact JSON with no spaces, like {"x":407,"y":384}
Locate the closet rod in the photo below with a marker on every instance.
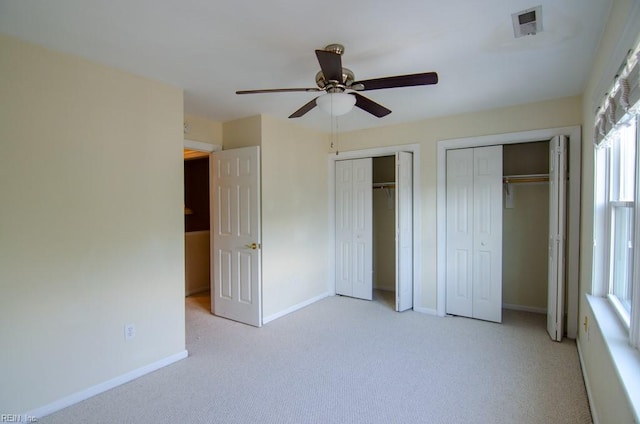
{"x":384,"y":185}
{"x":530,"y":178}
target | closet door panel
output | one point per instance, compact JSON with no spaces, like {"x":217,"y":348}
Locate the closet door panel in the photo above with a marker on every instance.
{"x":354,"y":223}
{"x":362,"y":230}
{"x":459,"y":232}
{"x":487,"y":233}
{"x":461,"y":274}
{"x":344,"y":196}
{"x":404,"y":231}
{"x":557,"y":205}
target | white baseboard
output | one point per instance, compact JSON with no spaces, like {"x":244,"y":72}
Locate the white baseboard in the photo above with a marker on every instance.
{"x":103,"y":387}
{"x":523,"y":308}
{"x":594,"y":416}
{"x":294,"y":308}
{"x":427,"y":311}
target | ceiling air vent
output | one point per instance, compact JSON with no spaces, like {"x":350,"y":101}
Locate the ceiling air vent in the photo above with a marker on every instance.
{"x":527,"y":22}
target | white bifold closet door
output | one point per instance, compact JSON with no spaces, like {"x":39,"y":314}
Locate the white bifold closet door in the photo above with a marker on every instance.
{"x":354,"y":228}
{"x":557,"y":239}
{"x":474,"y":233}
{"x":404,"y":231}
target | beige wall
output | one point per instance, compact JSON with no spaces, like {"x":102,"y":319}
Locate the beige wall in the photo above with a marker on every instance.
{"x":549,"y":114}
{"x":197,"y":263}
{"x":243,"y":132}
{"x":608,"y":399}
{"x":294,"y":215}
{"x":525,"y":230}
{"x":91,"y":224}
{"x":203,"y":129}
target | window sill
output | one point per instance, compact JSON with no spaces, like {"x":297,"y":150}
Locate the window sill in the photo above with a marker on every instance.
{"x":620,"y":310}
{"x":626,"y":359}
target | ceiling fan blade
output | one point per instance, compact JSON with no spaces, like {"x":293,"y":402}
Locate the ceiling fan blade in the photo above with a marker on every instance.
{"x":331,"y":65}
{"x":411,"y":80}
{"x":304,"y":109}
{"x":278,"y":90}
{"x":370,"y":106}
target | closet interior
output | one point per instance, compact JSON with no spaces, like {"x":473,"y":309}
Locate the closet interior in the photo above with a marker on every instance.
{"x":384,"y":233}
{"x":525,"y":253}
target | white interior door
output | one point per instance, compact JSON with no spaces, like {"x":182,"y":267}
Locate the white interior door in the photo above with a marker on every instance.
{"x":404,"y":231}
{"x":354,"y":228}
{"x":557,"y":205}
{"x":235,"y":235}
{"x":474,"y":233}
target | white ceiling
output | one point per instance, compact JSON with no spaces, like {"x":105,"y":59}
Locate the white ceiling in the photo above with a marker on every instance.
{"x":213,"y":48}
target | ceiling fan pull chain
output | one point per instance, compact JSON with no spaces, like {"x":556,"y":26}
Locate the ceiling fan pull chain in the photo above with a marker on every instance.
{"x":332,"y":134}
{"x":336,"y":133}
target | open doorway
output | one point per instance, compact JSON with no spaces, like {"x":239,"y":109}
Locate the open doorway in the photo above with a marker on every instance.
{"x":196,"y":215}
{"x":196,"y":221}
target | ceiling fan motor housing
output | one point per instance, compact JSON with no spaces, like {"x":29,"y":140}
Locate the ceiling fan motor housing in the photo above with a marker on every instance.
{"x":347,"y":75}
{"x":335,"y":48}
{"x":337,"y":86}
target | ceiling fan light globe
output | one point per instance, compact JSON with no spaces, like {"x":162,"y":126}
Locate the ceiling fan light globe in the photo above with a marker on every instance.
{"x":336,"y":104}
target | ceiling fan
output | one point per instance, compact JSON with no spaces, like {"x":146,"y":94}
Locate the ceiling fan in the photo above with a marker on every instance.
{"x":337,"y":81}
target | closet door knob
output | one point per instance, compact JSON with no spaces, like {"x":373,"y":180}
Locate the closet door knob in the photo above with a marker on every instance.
{"x":252,"y":246}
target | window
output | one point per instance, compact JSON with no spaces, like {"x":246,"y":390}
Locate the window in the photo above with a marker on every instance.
{"x":621,"y":166}
{"x":617,"y":184}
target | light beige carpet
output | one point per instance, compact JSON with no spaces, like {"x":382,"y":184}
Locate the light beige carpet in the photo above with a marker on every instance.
{"x":344,"y":360}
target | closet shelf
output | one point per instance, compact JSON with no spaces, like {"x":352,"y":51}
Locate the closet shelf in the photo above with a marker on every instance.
{"x":530,"y":178}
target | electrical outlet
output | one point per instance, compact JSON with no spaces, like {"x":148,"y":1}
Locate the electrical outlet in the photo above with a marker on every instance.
{"x":129,"y":331}
{"x":586,"y":327}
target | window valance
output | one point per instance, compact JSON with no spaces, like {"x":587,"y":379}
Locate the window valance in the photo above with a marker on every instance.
{"x":623,"y":98}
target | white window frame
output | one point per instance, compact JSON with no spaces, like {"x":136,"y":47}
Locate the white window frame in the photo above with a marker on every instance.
{"x":634,"y":331}
{"x":614,"y":184}
{"x":603,"y":246}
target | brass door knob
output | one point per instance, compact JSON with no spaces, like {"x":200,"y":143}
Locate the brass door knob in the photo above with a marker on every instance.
{"x":252,"y":246}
